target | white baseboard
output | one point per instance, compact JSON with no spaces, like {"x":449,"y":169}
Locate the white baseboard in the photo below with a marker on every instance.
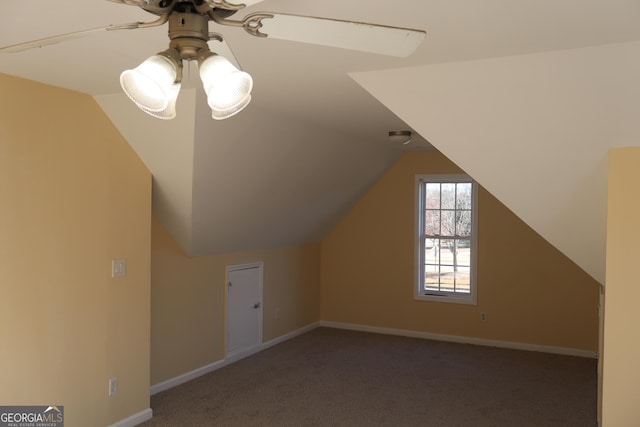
{"x":462,"y":340}
{"x":191,"y":375}
{"x":135,"y":419}
{"x":290,"y":335}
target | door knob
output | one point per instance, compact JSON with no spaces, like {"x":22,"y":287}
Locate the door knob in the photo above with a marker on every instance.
{"x":256,"y":305}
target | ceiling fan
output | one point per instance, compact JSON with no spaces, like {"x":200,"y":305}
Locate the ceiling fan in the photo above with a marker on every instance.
{"x":154,"y":85}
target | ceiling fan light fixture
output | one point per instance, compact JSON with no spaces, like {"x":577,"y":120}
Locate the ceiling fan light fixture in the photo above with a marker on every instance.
{"x":150,"y":85}
{"x":170,"y":111}
{"x":228,"y":89}
{"x":225,"y":114}
{"x":400,"y":137}
{"x":154,"y":84}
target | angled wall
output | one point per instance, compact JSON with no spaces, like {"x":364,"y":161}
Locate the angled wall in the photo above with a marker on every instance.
{"x":167,"y":148}
{"x":73,"y":196}
{"x":532,"y":129}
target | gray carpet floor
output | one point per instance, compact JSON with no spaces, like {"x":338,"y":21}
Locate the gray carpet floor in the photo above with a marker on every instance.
{"x":330,"y":377}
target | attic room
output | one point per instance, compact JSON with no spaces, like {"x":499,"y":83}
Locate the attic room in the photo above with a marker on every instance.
{"x":536,"y":103}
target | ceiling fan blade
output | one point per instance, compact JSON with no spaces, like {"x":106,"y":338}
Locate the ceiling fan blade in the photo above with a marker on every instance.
{"x":249,"y":3}
{"x":381,"y":39}
{"x":138,"y":3}
{"x":49,"y":40}
{"x":82,"y":33}
{"x":233,"y":4}
{"x":157,"y":7}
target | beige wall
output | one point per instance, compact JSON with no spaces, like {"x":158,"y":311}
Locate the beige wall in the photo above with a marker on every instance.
{"x":188,"y":300}
{"x":531,"y":292}
{"x":73,"y":195}
{"x":621,"y":385}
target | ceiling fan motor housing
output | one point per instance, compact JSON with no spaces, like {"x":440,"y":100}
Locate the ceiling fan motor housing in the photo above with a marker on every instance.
{"x":189,"y":32}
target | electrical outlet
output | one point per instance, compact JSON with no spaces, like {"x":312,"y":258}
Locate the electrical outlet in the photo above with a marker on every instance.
{"x":113,"y":386}
{"x":483,"y":317}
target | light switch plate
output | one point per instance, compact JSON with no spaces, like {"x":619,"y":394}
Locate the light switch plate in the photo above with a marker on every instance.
{"x":113,"y":386}
{"x":118,"y":267}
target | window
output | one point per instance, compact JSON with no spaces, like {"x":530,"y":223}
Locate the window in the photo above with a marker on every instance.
{"x":446,"y":238}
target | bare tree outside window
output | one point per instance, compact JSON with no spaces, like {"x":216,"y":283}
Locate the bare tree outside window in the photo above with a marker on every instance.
{"x":447,"y":234}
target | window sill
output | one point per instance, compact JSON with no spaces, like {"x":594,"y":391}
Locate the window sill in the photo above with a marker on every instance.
{"x":466,"y":299}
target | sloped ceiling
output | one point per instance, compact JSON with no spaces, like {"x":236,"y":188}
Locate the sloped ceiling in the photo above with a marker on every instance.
{"x":535,"y":130}
{"x":313,"y":140}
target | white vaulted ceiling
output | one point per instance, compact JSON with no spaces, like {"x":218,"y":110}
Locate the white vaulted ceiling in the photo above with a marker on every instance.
{"x":313,"y":140}
{"x":535,"y":130}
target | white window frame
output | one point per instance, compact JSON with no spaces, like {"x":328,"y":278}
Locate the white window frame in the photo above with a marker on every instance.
{"x":419,"y":233}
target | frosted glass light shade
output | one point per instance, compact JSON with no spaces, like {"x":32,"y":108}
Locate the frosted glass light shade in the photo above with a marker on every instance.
{"x":225,"y":114}
{"x":170,"y":111}
{"x":150,"y":84}
{"x":228,"y":89}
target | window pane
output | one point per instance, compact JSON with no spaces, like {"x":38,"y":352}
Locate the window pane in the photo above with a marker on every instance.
{"x":447,"y":277}
{"x":463,"y":279}
{"x":448,"y":196}
{"x":446,"y":245}
{"x":448,"y":224}
{"x":432,"y":223}
{"x":463,"y":196}
{"x":432,"y":199}
{"x":462,"y":253}
{"x":463,"y":223}
{"x":431,"y":277}
{"x":432,"y":251}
